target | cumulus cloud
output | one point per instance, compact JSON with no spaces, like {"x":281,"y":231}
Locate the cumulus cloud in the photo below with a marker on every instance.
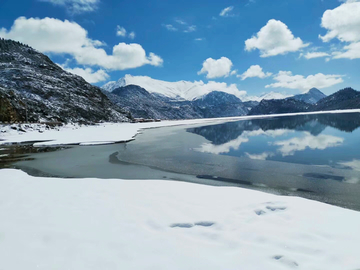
{"x":216,"y":68}
{"x":226,"y":12}
{"x":54,"y":36}
{"x":343,"y":23}
{"x":76,"y":6}
{"x":273,"y":39}
{"x":254,"y":71}
{"x":88,"y":74}
{"x":285,"y":79}
{"x":311,"y":55}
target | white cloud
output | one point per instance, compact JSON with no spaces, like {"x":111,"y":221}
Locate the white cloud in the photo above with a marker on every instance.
{"x":199,"y":39}
{"x":273,"y":39}
{"x":88,"y":74}
{"x":254,"y":71}
{"x":191,"y":28}
{"x":343,"y":23}
{"x":351,"y":51}
{"x":226,"y":11}
{"x":170,"y":27}
{"x":120,"y":31}
{"x":321,"y":142}
{"x":311,"y":55}
{"x":132,"y":35}
{"x":179,"y":21}
{"x":50,"y":35}
{"x":216,"y":68}
{"x":76,"y":6}
{"x":285,"y":79}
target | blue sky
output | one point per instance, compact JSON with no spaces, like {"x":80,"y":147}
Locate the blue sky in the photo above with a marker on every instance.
{"x":223,"y":39}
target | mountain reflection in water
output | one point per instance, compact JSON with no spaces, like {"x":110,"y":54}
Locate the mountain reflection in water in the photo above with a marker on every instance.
{"x":309,"y":139}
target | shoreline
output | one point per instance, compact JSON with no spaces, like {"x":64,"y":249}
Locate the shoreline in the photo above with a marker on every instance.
{"x":109,"y":133}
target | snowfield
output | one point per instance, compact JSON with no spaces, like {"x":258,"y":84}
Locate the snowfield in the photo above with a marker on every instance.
{"x":108,"y":133}
{"x":49,"y":223}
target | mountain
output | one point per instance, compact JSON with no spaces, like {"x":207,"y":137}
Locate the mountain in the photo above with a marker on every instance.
{"x":142,"y":104}
{"x":220,"y":104}
{"x":278,"y":106}
{"x":33,"y":87}
{"x":311,"y":97}
{"x":347,"y":98}
{"x":184,"y":90}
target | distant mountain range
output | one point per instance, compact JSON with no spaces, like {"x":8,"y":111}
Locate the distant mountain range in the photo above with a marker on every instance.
{"x":34,"y":88}
{"x":347,"y":98}
{"x":181,"y":100}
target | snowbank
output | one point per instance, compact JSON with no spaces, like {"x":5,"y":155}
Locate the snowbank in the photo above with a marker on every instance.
{"x":109,"y":132}
{"x":49,"y":223}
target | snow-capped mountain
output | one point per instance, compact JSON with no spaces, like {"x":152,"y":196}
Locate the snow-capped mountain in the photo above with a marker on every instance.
{"x":185,"y":90}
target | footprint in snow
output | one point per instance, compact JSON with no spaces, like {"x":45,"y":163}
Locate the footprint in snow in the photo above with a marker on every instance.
{"x":190,"y":225}
{"x":270,"y":207}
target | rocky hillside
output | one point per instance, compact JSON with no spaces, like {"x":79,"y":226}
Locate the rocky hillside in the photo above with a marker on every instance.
{"x":33,"y":87}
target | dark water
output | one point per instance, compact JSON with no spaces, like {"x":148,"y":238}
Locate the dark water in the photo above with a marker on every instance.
{"x":313,"y":156}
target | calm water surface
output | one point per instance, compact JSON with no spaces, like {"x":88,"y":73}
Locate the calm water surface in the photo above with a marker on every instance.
{"x":313,"y":156}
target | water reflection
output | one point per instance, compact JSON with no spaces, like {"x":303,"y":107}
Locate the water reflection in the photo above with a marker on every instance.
{"x":309,"y":139}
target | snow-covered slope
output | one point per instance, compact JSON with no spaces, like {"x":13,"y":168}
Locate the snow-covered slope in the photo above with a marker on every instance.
{"x":185,"y":90}
{"x":88,"y":224}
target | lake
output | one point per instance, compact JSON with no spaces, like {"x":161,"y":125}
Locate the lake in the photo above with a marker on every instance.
{"x":312,"y":156}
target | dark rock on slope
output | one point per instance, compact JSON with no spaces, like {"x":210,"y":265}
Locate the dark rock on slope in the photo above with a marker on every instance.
{"x":30,"y":83}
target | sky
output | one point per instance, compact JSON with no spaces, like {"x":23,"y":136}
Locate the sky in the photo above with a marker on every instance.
{"x":285,"y":46}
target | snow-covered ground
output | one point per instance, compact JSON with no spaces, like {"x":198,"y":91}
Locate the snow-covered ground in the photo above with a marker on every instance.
{"x":49,"y":223}
{"x":109,"y":132}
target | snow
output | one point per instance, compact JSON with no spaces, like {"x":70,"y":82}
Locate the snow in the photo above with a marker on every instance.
{"x":110,"y":132}
{"x":49,"y":223}
{"x":185,"y":90}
